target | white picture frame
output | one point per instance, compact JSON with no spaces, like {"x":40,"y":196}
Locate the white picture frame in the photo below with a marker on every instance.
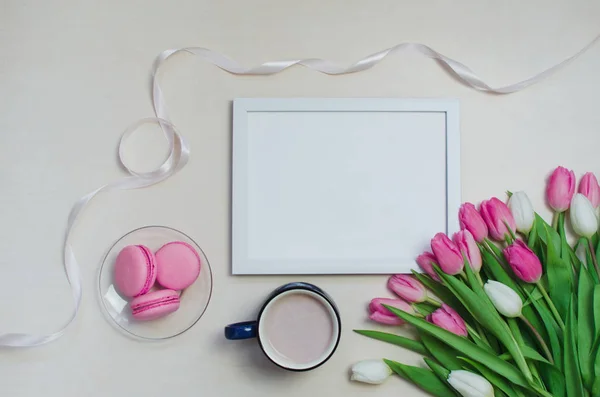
{"x":341,"y":185}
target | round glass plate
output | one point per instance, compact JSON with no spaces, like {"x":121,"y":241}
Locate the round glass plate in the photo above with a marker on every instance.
{"x":194,"y":299}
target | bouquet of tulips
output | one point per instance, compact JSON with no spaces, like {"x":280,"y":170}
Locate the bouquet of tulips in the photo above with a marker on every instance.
{"x":510,"y":306}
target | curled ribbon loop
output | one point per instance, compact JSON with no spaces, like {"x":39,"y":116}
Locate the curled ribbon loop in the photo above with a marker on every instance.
{"x":178,"y":157}
{"x":179,"y":151}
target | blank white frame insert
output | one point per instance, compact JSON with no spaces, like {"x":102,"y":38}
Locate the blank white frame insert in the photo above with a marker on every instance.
{"x":341,"y":186}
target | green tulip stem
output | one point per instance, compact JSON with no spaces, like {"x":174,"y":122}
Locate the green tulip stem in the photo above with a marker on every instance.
{"x":539,"y":338}
{"x":478,"y":275}
{"x":433,"y":302}
{"x":555,"y":216}
{"x":488,"y":246}
{"x":480,"y":334}
{"x":593,"y":253}
{"x":559,"y":320}
{"x":526,"y":237}
{"x":512,"y":233}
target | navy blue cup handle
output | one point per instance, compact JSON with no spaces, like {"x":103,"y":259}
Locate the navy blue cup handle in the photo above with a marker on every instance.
{"x":245,"y":330}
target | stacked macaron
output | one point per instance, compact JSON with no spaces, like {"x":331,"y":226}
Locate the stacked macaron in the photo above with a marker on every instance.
{"x":155,"y":280}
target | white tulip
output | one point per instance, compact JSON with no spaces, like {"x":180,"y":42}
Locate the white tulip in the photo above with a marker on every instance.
{"x":468,"y":384}
{"x":522,"y":211}
{"x":504,"y":298}
{"x":583,"y":216}
{"x":374,"y":372}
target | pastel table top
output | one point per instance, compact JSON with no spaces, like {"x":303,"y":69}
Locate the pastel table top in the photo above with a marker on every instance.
{"x":74,"y":74}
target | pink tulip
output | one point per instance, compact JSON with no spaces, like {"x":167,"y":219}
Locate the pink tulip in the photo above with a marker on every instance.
{"x":560,"y":189}
{"x":468,"y":246}
{"x":470,"y":219}
{"x":447,"y":253}
{"x":382,"y":315}
{"x":496,"y":214}
{"x":447,"y":318}
{"x":407,"y":288}
{"x":588,"y":186}
{"x":425,"y":262}
{"x":523,"y":262}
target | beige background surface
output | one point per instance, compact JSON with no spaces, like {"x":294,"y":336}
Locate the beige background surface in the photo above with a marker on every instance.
{"x":74,"y":74}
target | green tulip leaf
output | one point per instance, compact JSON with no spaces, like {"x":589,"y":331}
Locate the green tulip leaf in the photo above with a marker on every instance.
{"x":552,"y":330}
{"x":596,"y":309}
{"x":476,"y":286}
{"x":442,"y":292}
{"x":559,"y":276}
{"x":424,"y":308}
{"x":534,"y":293}
{"x":532,"y":239}
{"x":596,"y":384}
{"x":441,"y":372}
{"x":499,"y":274}
{"x":398,"y":340}
{"x":571,"y":365}
{"x":421,"y":377}
{"x":496,"y":251}
{"x":596,"y":347}
{"x":441,"y":352}
{"x":484,"y":311}
{"x":585,"y":325}
{"x":596,"y":387}
{"x":532,"y":354}
{"x":554,"y":380}
{"x":466,"y":347}
{"x":546,"y":232}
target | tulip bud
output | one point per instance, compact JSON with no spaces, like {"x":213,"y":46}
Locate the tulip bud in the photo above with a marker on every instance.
{"x":447,"y":253}
{"x":445,"y":317}
{"x":588,"y":186}
{"x":497,"y":215}
{"x":466,"y":244}
{"x":382,"y":315}
{"x":504,"y":298}
{"x":425,"y":262}
{"x":470,"y":219}
{"x":524,"y":262}
{"x":407,"y":288}
{"x":468,"y":384}
{"x":560,"y":189}
{"x":374,"y":372}
{"x":522,"y":211}
{"x":583,"y":216}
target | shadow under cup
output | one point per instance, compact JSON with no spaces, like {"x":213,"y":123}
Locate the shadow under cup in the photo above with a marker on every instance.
{"x":298,"y":327}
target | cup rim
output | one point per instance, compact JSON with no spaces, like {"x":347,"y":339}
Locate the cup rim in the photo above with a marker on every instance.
{"x":310,"y":288}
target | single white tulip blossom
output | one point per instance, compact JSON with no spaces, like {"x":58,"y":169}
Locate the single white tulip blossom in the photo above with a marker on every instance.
{"x":583,"y":216}
{"x":504,"y":298}
{"x":374,"y":372}
{"x":468,"y":384}
{"x":522,"y":211}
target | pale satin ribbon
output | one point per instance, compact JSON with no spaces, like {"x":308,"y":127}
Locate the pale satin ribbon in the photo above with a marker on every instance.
{"x":176,"y":160}
{"x":179,"y":151}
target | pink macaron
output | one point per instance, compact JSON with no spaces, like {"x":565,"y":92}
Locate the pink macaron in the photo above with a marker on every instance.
{"x":154,"y":305}
{"x":178,"y":265}
{"x":135,"y":270}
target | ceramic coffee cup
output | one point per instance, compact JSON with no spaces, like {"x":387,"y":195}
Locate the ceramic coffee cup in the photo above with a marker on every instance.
{"x":298,"y":327}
